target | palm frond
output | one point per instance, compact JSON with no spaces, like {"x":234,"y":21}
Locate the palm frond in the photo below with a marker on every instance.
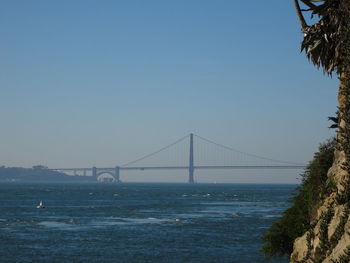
{"x":322,"y":40}
{"x":335,"y":121}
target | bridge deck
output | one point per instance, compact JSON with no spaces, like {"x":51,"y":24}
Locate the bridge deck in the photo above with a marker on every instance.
{"x":217,"y":167}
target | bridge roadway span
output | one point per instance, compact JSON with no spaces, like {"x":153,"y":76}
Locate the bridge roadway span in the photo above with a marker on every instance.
{"x":115,"y":171}
{"x":213,"y":167}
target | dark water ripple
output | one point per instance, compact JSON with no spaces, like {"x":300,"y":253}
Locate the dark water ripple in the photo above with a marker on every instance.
{"x":137,"y":222}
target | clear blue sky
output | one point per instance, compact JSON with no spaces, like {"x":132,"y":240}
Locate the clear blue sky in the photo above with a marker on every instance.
{"x":99,"y":83}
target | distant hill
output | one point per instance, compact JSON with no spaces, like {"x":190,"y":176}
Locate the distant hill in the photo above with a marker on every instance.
{"x":37,"y":173}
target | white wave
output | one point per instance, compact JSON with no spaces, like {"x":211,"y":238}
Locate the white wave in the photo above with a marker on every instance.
{"x":129,"y":221}
{"x":55,"y":224}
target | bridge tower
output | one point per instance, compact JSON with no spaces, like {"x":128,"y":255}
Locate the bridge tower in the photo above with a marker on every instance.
{"x":117,"y":174}
{"x":94,"y":172}
{"x":191,"y":165}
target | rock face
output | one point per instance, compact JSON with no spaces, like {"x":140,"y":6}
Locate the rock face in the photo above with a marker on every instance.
{"x":328,"y":240}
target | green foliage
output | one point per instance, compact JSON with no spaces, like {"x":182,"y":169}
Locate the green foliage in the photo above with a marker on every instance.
{"x":324,"y":243}
{"x":279,"y":238}
{"x":297,"y":219}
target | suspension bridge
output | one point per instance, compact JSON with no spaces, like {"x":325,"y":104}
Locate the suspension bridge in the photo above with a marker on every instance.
{"x":181,"y":155}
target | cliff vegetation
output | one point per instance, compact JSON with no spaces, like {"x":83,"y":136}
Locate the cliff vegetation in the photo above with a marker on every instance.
{"x":296,"y":220}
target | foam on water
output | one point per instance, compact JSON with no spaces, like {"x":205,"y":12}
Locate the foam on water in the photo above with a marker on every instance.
{"x":55,"y":224}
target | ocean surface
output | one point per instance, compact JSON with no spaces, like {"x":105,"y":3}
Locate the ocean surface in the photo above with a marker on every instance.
{"x":134,"y":222}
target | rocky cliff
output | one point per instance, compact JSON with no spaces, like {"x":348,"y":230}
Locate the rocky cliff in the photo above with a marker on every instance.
{"x":328,"y":239}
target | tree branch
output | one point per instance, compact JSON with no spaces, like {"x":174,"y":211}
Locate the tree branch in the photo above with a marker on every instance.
{"x":309,"y":4}
{"x":300,"y":14}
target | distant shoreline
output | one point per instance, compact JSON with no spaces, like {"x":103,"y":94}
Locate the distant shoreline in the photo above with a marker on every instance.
{"x":38,"y":174}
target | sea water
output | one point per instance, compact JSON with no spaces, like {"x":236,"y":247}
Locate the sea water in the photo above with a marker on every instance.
{"x":134,"y":222}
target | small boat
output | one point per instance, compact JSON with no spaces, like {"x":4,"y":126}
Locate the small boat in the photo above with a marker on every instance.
{"x":40,"y":205}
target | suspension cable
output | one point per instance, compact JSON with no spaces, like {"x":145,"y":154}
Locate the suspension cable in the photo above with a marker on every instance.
{"x":154,"y":153}
{"x":247,"y":154}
